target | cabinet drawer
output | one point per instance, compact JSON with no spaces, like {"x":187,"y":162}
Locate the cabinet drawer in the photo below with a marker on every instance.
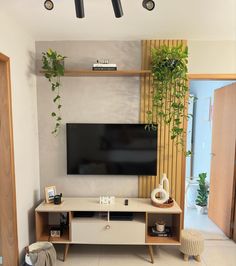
{"x":102,"y":232}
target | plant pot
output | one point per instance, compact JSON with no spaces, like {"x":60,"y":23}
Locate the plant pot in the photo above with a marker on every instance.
{"x":202,"y":209}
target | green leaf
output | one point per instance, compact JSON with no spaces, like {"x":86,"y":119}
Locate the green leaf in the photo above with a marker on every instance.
{"x":188,"y":153}
{"x":56,"y":98}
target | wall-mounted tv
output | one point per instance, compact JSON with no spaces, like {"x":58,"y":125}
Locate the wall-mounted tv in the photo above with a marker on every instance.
{"x":111,"y":149}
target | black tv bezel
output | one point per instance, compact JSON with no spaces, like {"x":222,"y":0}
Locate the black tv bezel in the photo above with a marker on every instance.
{"x":98,"y":174}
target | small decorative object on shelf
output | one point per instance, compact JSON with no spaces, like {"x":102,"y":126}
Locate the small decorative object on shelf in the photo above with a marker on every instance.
{"x":55,"y":231}
{"x":57,"y":199}
{"x":50,"y":192}
{"x":107,"y":200}
{"x":160,"y":226}
{"x":104,"y":65}
{"x":160,"y":196}
{"x":168,"y":204}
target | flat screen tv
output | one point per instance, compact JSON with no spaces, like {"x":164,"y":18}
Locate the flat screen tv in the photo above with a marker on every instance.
{"x":111,"y":149}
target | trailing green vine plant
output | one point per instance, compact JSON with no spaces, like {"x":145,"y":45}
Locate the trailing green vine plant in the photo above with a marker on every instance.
{"x":53,"y":66}
{"x":170,"y":90}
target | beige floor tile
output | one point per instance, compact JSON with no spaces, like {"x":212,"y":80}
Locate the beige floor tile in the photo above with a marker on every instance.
{"x":220,"y":253}
{"x":79,"y":255}
{"x":195,"y":220}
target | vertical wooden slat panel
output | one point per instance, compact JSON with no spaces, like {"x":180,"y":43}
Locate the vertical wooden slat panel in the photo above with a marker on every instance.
{"x":170,"y":160}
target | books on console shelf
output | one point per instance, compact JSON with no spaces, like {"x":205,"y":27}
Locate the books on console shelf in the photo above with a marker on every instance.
{"x":105,"y":67}
{"x":166,"y":233}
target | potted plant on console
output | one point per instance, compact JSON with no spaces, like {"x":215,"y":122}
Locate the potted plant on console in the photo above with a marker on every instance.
{"x":203,"y":191}
{"x":53,"y":66}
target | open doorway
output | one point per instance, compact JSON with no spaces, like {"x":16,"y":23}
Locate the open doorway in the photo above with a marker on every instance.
{"x":199,"y":141}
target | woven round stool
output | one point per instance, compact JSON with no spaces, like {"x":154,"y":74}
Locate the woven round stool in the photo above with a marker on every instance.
{"x":192,"y":244}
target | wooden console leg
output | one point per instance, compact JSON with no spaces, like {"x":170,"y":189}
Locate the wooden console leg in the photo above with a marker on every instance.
{"x":185,"y":257}
{"x":150,"y":249}
{"x":197,"y":258}
{"x":65,"y":251}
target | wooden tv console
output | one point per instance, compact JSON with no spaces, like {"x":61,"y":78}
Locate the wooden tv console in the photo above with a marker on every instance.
{"x":99,"y":228}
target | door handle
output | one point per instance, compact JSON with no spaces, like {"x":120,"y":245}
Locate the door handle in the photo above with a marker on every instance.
{"x":108,"y":227}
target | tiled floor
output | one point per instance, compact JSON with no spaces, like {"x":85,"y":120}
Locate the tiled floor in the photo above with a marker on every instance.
{"x":219,"y":251}
{"x":216,"y":253}
{"x":203,"y":223}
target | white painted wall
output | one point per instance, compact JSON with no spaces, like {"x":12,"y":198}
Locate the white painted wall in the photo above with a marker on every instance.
{"x":212,"y":57}
{"x":20,"y":47}
{"x":87,"y":100}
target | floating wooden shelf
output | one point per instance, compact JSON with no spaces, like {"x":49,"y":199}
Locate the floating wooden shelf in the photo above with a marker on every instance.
{"x":78,"y":73}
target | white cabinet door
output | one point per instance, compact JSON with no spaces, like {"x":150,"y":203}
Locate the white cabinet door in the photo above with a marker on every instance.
{"x":92,"y":231}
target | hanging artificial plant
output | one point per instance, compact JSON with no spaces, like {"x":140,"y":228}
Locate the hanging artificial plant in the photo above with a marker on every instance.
{"x":169,"y":70}
{"x":53,"y":66}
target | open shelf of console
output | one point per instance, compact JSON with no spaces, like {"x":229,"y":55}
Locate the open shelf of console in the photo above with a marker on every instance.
{"x":45,"y":221}
{"x":172,"y":221}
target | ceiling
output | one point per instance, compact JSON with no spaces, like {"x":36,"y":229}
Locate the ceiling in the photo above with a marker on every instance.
{"x":183,"y":19}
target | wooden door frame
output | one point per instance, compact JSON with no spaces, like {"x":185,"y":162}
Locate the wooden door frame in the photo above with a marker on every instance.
{"x":10,"y":205}
{"x":233,"y":211}
{"x":192,"y":77}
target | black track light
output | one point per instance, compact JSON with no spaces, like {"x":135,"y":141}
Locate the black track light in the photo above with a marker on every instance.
{"x":117,"y":8}
{"x":48,"y":4}
{"x":149,"y":4}
{"x":79,"y":8}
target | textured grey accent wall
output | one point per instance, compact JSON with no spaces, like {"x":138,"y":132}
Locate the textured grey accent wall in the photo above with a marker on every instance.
{"x":87,"y":100}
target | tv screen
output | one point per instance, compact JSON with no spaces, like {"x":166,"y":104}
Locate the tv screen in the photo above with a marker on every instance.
{"x":114,"y":149}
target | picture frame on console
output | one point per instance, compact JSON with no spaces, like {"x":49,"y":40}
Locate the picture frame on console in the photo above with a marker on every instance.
{"x":50,"y":192}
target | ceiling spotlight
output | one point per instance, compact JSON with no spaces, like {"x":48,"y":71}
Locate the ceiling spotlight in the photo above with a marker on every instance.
{"x":149,"y":4}
{"x":117,"y":8}
{"x":48,"y":4}
{"x":79,"y":8}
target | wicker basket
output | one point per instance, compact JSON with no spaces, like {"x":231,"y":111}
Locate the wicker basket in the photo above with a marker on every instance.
{"x":168,"y":204}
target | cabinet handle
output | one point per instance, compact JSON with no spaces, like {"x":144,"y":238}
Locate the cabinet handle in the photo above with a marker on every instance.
{"x":108,"y":227}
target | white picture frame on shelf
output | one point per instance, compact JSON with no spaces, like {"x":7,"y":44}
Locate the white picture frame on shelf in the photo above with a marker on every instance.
{"x":50,"y":193}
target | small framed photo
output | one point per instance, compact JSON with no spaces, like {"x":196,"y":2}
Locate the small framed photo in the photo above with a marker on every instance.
{"x":50,"y":192}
